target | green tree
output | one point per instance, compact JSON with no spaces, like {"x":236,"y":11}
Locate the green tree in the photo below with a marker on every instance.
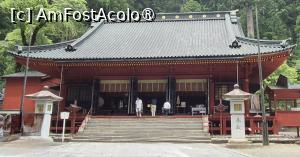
{"x":41,"y":32}
{"x":286,"y":70}
{"x":62,"y":31}
{"x":108,"y":5}
{"x":7,"y":65}
{"x":5,"y":25}
{"x":193,"y":6}
{"x":159,"y":6}
{"x":24,"y":27}
{"x":39,"y":35}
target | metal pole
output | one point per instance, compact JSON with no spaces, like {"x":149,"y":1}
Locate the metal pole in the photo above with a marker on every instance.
{"x":63,"y":131}
{"x":237,"y":72}
{"x":92,"y":97}
{"x":24,"y":87}
{"x":264,"y":120}
{"x":58,"y":106}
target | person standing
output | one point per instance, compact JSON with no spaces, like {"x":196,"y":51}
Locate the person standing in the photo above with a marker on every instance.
{"x":153,"y":107}
{"x":167,"y":108}
{"x":138,"y":107}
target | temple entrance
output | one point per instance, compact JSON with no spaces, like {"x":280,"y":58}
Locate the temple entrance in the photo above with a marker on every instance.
{"x":185,"y":96}
{"x":112,"y":98}
{"x":152,"y":92}
{"x":191,"y":96}
{"x":148,"y":98}
{"x":113,"y":103}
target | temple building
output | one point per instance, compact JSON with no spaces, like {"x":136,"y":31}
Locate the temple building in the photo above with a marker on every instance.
{"x":188,"y":59}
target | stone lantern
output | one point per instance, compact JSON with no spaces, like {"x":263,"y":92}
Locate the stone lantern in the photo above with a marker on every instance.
{"x":237,"y":111}
{"x":43,"y":105}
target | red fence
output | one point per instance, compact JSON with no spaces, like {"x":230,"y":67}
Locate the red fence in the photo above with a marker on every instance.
{"x":220,"y":124}
{"x":72,"y":124}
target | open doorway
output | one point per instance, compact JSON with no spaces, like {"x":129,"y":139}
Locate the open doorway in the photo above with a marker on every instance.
{"x":152,"y":92}
{"x":148,"y":98}
{"x":112,"y":98}
{"x":191,"y":95}
{"x":188,"y":99}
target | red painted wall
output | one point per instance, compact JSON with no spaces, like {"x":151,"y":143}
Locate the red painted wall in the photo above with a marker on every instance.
{"x":283,"y":94}
{"x":13,"y":93}
{"x":287,"y":118}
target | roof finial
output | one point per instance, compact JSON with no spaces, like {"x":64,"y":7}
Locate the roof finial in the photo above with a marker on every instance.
{"x":46,"y":88}
{"x":236,"y":86}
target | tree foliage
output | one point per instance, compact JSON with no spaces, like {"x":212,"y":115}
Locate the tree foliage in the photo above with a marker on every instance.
{"x":286,"y":70}
{"x":193,"y":6}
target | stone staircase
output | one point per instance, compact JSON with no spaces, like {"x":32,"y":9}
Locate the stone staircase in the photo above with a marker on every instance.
{"x":131,"y":129}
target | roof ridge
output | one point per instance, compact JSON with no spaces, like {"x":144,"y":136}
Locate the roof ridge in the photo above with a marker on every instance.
{"x":197,"y":16}
{"x":200,"y":12}
{"x":262,"y":41}
{"x":42,"y":47}
{"x":228,"y":27}
{"x":270,"y":43}
{"x":87,"y":34}
{"x":170,"y":20}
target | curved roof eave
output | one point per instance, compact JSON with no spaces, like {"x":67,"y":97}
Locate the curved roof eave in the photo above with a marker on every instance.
{"x":215,"y":57}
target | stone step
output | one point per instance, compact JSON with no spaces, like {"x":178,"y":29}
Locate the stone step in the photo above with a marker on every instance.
{"x":141,"y":120}
{"x":145,"y":122}
{"x":146,"y":118}
{"x":200,"y":134}
{"x":141,"y":127}
{"x":141,"y":136}
{"x":143,"y":140}
{"x":143,"y":130}
{"x":158,"y":123}
{"x":187,"y":130}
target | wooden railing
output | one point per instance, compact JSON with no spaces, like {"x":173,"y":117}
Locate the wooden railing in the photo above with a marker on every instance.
{"x":72,"y":124}
{"x":86,"y":120}
{"x":221,"y":125}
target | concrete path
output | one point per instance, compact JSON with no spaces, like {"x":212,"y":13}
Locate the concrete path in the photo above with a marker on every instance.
{"x":38,"y":148}
{"x":273,"y":150}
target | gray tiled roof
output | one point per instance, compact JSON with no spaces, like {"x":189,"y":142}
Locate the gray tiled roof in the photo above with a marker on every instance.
{"x":21,"y":74}
{"x":184,"y":37}
{"x":290,"y":86}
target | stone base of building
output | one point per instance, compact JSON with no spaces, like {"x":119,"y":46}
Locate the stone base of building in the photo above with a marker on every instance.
{"x":238,"y":143}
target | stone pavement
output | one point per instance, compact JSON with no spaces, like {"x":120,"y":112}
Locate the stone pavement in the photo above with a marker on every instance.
{"x":38,"y":148}
{"x":273,"y":150}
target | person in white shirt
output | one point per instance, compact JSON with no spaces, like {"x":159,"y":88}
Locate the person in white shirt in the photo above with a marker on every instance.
{"x":166,"y":108}
{"x":138,"y":107}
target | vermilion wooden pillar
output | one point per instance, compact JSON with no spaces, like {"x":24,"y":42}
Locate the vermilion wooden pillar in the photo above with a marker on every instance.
{"x":211,"y":96}
{"x":246,"y":89}
{"x":62,"y":104}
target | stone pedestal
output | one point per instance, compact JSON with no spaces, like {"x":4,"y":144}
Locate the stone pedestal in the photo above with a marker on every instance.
{"x":45,"y":129}
{"x":44,"y":105}
{"x":237,"y":111}
{"x":238,"y":126}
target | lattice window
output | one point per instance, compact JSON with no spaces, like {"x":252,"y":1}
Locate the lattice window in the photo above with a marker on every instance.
{"x":114,"y":86}
{"x":221,"y":90}
{"x":79,"y":93}
{"x":191,"y":85}
{"x":152,"y":85}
